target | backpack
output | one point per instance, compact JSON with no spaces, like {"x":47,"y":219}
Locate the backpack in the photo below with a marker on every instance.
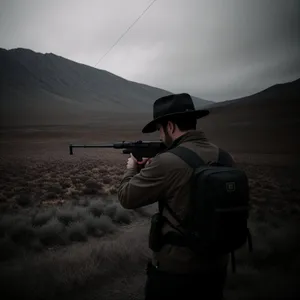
{"x":216,"y":221}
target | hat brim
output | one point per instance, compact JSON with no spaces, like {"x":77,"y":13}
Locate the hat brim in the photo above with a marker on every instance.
{"x":151,"y":126}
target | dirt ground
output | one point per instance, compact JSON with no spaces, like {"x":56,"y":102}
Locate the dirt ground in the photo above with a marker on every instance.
{"x":46,"y":193}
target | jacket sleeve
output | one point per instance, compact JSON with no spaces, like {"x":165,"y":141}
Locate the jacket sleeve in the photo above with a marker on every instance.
{"x":143,"y":188}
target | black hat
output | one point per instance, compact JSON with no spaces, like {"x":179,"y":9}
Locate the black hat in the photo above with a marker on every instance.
{"x":173,"y":105}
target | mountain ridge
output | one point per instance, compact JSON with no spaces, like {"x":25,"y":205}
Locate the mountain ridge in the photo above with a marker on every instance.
{"x":77,"y":81}
{"x":275,"y":91}
{"x":50,"y":89}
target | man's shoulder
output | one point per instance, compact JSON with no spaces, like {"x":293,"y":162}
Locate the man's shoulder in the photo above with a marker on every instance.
{"x":169,"y":161}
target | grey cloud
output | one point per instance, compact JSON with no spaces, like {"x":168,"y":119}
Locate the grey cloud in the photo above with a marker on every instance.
{"x":214,"y":49}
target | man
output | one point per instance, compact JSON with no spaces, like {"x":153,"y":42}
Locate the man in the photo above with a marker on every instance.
{"x":175,"y":271}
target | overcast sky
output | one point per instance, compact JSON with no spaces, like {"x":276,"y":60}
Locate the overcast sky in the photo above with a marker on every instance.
{"x":213,"y":49}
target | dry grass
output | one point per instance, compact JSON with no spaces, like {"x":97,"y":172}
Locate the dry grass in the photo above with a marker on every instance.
{"x":97,"y":269}
{"x":64,"y":235}
{"x":63,"y":271}
{"x":35,"y":183}
{"x":48,"y":204}
{"x":271,"y":271}
{"x":56,"y":227}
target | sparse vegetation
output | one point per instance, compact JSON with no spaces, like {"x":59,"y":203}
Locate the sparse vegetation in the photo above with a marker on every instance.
{"x":69,"y":230}
{"x":60,"y":226}
{"x":29,"y":182}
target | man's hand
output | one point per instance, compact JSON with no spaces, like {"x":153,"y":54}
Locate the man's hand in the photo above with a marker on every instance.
{"x":132,"y":162}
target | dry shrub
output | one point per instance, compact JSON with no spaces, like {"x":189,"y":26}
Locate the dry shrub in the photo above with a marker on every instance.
{"x":74,"y":179}
{"x":84,"y":202}
{"x":65,"y":184}
{"x":106,"y":179}
{"x":92,"y":187}
{"x":99,"y":226}
{"x":9,"y":222}
{"x":22,"y":232}
{"x":60,"y":226}
{"x":96,"y":208}
{"x":80,"y":213}
{"x":83,"y":178}
{"x":62,"y":274}
{"x":72,"y":192}
{"x":52,"y":233}
{"x":99,"y":170}
{"x":89,"y":191}
{"x":42,"y":218}
{"x":77,"y":231}
{"x":119,"y":172}
{"x":50,"y":195}
{"x":93,"y":184}
{"x":23,"y":199}
{"x":16,"y":231}
{"x":66,"y":216}
{"x":55,"y":188}
{"x":122,"y":216}
{"x":113,"y":190}
{"x":110,"y":210}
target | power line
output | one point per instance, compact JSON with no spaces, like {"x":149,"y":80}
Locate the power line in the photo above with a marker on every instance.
{"x":117,"y":41}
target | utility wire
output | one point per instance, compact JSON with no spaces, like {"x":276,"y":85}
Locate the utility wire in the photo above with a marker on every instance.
{"x":118,"y":40}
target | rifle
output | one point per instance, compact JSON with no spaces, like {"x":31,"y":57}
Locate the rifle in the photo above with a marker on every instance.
{"x":139,"y":149}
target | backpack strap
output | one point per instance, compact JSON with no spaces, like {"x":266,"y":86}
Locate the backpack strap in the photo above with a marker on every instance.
{"x":193,"y":160}
{"x":188,"y":155}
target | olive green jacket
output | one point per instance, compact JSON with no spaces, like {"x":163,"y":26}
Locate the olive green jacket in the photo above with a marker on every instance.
{"x":166,"y":177}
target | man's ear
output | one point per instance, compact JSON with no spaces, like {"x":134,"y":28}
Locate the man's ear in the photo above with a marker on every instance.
{"x":171,"y":126}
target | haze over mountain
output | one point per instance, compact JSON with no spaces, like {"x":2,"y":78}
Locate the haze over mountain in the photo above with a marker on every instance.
{"x":50,"y":86}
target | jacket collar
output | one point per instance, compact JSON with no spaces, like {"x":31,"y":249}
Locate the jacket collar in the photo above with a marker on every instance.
{"x":190,"y":136}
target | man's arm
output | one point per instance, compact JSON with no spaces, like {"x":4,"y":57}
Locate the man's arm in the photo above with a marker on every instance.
{"x":144,"y":188}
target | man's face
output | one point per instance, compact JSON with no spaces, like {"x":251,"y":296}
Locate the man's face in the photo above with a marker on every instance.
{"x":164,"y":135}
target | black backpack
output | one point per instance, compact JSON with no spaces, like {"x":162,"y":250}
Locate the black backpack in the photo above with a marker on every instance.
{"x":217,"y":218}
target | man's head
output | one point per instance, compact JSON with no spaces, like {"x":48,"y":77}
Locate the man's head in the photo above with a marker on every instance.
{"x":173,"y":115}
{"x":172,"y":128}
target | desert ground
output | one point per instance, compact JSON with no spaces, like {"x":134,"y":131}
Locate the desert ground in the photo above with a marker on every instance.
{"x":63,"y":234}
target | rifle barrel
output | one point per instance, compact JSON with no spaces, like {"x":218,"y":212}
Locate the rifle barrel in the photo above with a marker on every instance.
{"x":92,"y":146}
{"x":118,"y":145}
{"x":71,"y":146}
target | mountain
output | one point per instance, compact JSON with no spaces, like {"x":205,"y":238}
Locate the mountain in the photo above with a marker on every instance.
{"x":276,"y":102}
{"x":265,"y":122}
{"x":46,"y":89}
{"x":274,"y":93}
{"x":49,"y":88}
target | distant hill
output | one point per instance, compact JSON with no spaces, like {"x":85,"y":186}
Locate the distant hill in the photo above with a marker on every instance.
{"x":43,"y":88}
{"x":275,"y":102}
{"x":268,"y":121}
{"x":274,"y":93}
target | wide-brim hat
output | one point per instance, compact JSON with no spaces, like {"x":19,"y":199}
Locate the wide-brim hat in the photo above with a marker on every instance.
{"x":172,"y":106}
